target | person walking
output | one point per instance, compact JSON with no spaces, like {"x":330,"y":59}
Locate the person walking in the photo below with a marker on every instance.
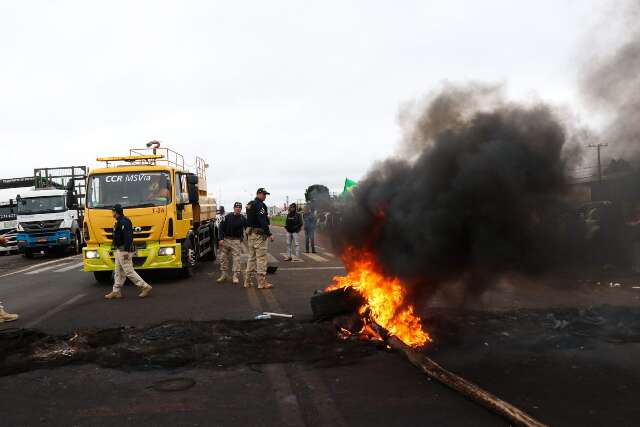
{"x":231,"y":234}
{"x":293,"y":225}
{"x":310,"y":221}
{"x":124,"y":249}
{"x":4,"y":316}
{"x":258,"y":239}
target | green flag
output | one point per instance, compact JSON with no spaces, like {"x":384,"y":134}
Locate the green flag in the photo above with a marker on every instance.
{"x":349,"y":185}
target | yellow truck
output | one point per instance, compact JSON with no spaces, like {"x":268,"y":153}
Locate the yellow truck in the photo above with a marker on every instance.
{"x":173,"y":219}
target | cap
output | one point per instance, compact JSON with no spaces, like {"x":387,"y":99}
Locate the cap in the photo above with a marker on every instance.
{"x":117,"y":208}
{"x":237,"y":205}
{"x":262,"y":190}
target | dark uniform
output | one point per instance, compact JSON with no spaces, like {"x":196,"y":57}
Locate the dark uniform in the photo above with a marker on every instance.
{"x":231,"y":232}
{"x":123,"y":246}
{"x":258,"y":242}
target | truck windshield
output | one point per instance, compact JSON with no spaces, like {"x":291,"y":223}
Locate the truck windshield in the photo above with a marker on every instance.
{"x":130,"y":189}
{"x":37,"y":205}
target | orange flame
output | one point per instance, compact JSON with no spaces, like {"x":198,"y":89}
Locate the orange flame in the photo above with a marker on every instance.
{"x":384,"y":298}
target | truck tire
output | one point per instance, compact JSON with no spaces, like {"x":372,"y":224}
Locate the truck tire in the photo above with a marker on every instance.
{"x":77,"y":244}
{"x":189,"y":259}
{"x":212,"y":255}
{"x":103,"y":277}
{"x":28,"y":253}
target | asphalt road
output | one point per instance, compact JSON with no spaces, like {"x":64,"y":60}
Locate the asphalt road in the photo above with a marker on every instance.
{"x":54,"y":295}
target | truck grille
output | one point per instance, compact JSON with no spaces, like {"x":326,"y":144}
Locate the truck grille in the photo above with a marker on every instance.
{"x":41,"y":226}
{"x":144,"y":233}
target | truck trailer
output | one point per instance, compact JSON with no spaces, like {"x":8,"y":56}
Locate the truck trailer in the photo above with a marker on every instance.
{"x":173,"y":219}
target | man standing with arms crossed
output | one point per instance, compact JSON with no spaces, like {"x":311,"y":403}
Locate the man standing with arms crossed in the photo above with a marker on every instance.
{"x":258,"y":241}
{"x":123,"y":246}
{"x":4,"y":316}
{"x":231,"y":234}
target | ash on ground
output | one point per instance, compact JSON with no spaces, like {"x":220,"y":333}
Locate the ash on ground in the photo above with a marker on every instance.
{"x":212,"y":344}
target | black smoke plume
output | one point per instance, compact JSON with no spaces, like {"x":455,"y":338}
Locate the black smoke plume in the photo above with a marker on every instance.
{"x":610,"y":83}
{"x":469,"y":199}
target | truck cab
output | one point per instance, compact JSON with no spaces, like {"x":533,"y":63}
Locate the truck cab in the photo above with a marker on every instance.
{"x":8,"y":225}
{"x":50,"y":216}
{"x":173,"y":219}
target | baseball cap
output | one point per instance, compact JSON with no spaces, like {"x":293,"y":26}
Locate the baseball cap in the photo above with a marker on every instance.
{"x":237,"y":205}
{"x":262,"y":190}
{"x":117,"y":208}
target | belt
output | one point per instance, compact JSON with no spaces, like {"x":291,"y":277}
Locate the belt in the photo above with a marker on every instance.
{"x":232,"y":238}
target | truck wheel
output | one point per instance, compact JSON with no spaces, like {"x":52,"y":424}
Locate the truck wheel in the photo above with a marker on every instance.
{"x":213,"y":242}
{"x":28,"y":253}
{"x":189,"y":260}
{"x":103,"y":277}
{"x":77,"y":244}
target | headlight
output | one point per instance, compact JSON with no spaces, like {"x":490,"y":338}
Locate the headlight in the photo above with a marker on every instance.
{"x":19,"y":227}
{"x":166,"y":251}
{"x":91,"y":254}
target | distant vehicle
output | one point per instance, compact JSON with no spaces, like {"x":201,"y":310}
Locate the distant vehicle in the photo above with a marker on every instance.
{"x":174,"y":222}
{"x":8,"y":225}
{"x":50,"y":216}
{"x":318,"y":197}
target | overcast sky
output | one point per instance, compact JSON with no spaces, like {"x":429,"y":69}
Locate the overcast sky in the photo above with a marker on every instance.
{"x":280,"y":94}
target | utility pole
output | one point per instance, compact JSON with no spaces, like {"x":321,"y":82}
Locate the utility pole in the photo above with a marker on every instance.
{"x":598,"y":147}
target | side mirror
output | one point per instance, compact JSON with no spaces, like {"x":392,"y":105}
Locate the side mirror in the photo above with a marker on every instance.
{"x":192,"y":187}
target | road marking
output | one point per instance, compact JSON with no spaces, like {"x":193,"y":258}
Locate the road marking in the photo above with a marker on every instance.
{"x":309,"y":268}
{"x":31,"y":267}
{"x":273,"y":302}
{"x":316,"y":257}
{"x":53,"y":311}
{"x":253,"y":300}
{"x":286,"y":256}
{"x":40,"y":270}
{"x":326,"y":408}
{"x":286,"y":400}
{"x":271,"y":259}
{"x":70,"y":267}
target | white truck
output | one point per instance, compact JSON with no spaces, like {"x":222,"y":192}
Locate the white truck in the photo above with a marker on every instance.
{"x":50,"y":216}
{"x":9,"y":190}
{"x":8,"y":226}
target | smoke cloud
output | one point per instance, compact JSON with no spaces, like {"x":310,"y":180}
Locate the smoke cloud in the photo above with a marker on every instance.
{"x":467,"y":199}
{"x":610,"y":84}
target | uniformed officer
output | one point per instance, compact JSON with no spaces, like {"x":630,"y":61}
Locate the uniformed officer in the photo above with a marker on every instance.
{"x":123,"y":245}
{"x":259,"y":236}
{"x":231,"y":231}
